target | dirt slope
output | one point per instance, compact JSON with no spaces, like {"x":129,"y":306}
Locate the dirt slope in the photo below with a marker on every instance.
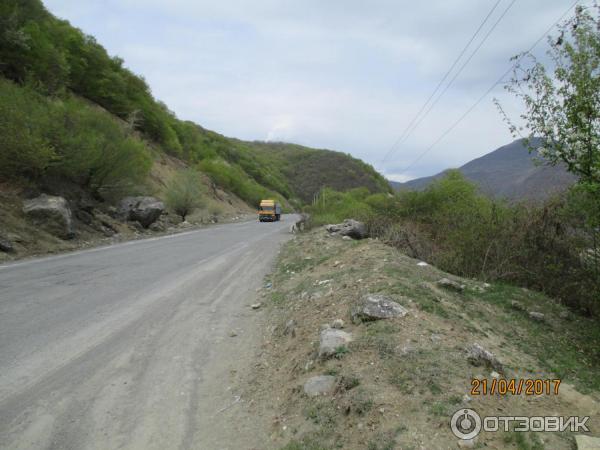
{"x":400,"y":380}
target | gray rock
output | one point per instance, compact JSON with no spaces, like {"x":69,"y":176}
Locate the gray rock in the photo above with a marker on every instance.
{"x":564,"y":315}
{"x":157,"y":227}
{"x":538,"y":316}
{"x":478,"y":356}
{"x":290,"y":328}
{"x":435,"y":337}
{"x":517,"y":305}
{"x":145,"y":210}
{"x":350,"y":227}
{"x":377,"y":306}
{"x":51,"y":213}
{"x":331,"y":339}
{"x":451,"y":285}
{"x":319,"y":385}
{"x":6,"y":246}
{"x":107,"y":232}
{"x":587,"y":442}
{"x":137,"y":226}
{"x":338,"y":323}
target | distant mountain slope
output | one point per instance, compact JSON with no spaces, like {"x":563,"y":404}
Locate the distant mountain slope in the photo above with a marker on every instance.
{"x":307,"y":170}
{"x":508,"y":172}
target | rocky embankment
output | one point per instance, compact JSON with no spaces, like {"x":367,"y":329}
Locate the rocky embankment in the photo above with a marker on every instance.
{"x":40,"y":224}
{"x":365,"y":347}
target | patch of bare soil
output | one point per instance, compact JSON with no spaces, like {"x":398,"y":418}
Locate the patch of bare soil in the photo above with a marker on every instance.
{"x":400,"y":380}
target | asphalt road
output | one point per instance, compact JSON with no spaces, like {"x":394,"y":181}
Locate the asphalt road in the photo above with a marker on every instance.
{"x":130,"y":346}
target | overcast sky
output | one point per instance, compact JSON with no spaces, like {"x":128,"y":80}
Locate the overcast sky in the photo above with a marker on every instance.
{"x":347,"y":75}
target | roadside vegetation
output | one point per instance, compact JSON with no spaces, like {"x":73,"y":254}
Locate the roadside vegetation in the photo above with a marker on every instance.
{"x":185,"y":193}
{"x":548,"y":247}
{"x":68,"y":139}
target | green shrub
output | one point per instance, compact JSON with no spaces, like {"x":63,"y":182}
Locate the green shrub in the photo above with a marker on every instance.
{"x":234,"y":179}
{"x":96,"y":150}
{"x":26,"y":149}
{"x":333,"y":207}
{"x":185,"y":193}
{"x":67,"y":138}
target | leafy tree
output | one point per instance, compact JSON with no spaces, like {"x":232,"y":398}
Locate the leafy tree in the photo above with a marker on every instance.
{"x":562,"y":106}
{"x":185,"y":193}
{"x":563,"y":102}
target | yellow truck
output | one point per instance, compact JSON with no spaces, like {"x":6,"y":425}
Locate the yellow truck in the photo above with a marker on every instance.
{"x":269,"y":211}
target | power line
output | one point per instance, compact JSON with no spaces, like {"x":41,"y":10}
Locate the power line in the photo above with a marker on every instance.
{"x":485,"y":94}
{"x":461,"y":68}
{"x":401,"y":138}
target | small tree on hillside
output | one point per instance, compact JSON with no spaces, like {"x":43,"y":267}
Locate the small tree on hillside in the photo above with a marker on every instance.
{"x":562,"y":106}
{"x":562,"y":103}
{"x":185,"y":193}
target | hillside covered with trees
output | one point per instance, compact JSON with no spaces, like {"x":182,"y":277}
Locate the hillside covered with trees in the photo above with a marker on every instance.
{"x":73,"y":112}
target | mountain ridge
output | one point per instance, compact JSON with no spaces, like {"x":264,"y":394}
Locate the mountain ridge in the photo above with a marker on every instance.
{"x":511,"y":172}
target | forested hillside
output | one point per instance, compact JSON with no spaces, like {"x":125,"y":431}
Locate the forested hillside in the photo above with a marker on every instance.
{"x":56,"y":89}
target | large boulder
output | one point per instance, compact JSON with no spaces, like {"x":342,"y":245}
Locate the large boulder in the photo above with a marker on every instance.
{"x":377,"y":306}
{"x":349,"y":227}
{"x":6,"y":246}
{"x":145,"y":210}
{"x":479,"y":356}
{"x":537,"y":316}
{"x":51,"y":213}
{"x":331,"y":340}
{"x":451,"y":285}
{"x":319,"y":385}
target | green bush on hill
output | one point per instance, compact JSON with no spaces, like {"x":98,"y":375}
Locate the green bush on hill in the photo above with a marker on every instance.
{"x":234,"y":179}
{"x":67,"y":138}
{"x":24,"y":123}
{"x":185,"y":193}
{"x":330,"y":206}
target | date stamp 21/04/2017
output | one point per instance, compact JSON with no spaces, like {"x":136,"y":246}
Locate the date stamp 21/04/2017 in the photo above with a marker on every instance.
{"x":513,"y":386}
